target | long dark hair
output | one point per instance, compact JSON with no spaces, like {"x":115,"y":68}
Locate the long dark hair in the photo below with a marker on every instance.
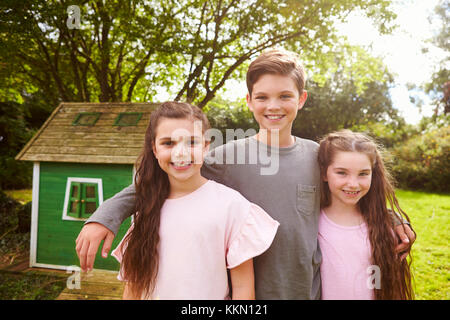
{"x":396,"y":277}
{"x":140,"y":260}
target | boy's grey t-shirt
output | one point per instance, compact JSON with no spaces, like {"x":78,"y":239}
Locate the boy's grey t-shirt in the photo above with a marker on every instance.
{"x":285,"y":183}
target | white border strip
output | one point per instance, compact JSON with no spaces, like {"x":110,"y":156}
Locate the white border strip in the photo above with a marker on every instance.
{"x":34,"y":213}
{"x":68,"y":268}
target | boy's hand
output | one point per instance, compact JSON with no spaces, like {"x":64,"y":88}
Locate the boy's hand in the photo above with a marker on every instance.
{"x":88,"y":241}
{"x":407,"y":237}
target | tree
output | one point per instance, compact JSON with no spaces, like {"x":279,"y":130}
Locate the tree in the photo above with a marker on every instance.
{"x":223,"y":115}
{"x":423,"y":161}
{"x":125,"y":50}
{"x":101,"y":61}
{"x":229,"y":33}
{"x":341,"y":102}
{"x":13,"y":136}
{"x":438,"y":87}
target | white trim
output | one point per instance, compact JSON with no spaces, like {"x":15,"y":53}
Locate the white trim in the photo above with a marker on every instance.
{"x":134,"y":173}
{"x":132,"y":182}
{"x":49,"y":266}
{"x":81,"y":180}
{"x":34,"y":213}
{"x":59,"y":267}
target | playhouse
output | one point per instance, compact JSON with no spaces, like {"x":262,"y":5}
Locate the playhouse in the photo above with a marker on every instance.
{"x":83,"y":154}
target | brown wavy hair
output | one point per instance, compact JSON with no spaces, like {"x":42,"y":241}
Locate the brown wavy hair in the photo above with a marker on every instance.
{"x":140,"y":260}
{"x":396,"y":277}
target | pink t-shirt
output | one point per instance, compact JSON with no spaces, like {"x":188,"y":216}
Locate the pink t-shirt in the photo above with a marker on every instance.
{"x":346,"y":258}
{"x":201,"y":235}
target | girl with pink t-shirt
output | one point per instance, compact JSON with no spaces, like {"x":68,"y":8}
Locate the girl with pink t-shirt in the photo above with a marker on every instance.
{"x":356,"y":238}
{"x":187,"y":230}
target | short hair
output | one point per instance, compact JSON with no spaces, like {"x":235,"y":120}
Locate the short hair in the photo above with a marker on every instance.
{"x":279,"y":62}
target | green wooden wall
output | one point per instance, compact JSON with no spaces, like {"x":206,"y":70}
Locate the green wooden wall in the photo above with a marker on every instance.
{"x":56,"y":237}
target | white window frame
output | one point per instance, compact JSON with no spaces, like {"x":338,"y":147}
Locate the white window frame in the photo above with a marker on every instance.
{"x":67,"y":195}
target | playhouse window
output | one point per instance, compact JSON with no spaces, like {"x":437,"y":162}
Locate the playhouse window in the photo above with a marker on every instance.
{"x":125,"y":119}
{"x":86,"y":118}
{"x":83,"y":196}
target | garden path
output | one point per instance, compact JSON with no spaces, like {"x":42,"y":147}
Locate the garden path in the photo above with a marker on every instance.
{"x":95,"y":285}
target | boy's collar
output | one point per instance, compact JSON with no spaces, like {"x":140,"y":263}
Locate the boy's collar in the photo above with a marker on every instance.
{"x":275,"y":149}
{"x":263,"y":141}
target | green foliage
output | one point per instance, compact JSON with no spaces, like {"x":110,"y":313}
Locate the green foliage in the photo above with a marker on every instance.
{"x":24,"y":217}
{"x":223,"y":115}
{"x":387,"y":134}
{"x":15,"y":221}
{"x":438,"y":87}
{"x":349,"y":64}
{"x":423,"y":161}
{"x":337,"y":105}
{"x":23,"y":196}
{"x":127,"y":50}
{"x":8,"y":218}
{"x":14,"y":134}
{"x":13,"y":243}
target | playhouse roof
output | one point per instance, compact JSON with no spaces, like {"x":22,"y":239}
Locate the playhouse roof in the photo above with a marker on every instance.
{"x":65,"y":138}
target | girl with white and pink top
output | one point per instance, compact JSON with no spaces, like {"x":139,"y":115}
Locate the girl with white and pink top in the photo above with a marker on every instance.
{"x":187,"y":230}
{"x":356,"y":236}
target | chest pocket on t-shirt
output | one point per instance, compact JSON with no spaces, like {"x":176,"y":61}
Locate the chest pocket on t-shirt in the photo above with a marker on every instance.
{"x":306,"y":198}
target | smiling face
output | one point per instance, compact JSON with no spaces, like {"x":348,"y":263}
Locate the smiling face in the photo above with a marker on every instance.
{"x":349,"y":177}
{"x":180,"y":147}
{"x":275,"y":101}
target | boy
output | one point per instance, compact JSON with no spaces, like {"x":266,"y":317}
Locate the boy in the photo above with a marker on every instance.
{"x":289,"y":269}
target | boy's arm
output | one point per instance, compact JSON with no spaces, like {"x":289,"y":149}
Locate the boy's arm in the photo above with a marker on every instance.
{"x":396,"y":218}
{"x":103,"y":226}
{"x":214,"y":167}
{"x":404,"y":232}
{"x":407,"y":237}
{"x":115,"y":210}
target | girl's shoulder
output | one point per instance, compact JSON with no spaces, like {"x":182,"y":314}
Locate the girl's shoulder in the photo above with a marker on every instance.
{"x":210,"y":193}
{"x":309,"y":144}
{"x":227,"y":200}
{"x":226,"y":193}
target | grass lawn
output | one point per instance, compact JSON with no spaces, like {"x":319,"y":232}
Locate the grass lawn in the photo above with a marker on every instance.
{"x":30,"y":286}
{"x":429,"y":214}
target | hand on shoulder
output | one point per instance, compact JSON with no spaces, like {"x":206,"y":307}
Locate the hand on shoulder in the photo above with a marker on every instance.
{"x":88,"y":241}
